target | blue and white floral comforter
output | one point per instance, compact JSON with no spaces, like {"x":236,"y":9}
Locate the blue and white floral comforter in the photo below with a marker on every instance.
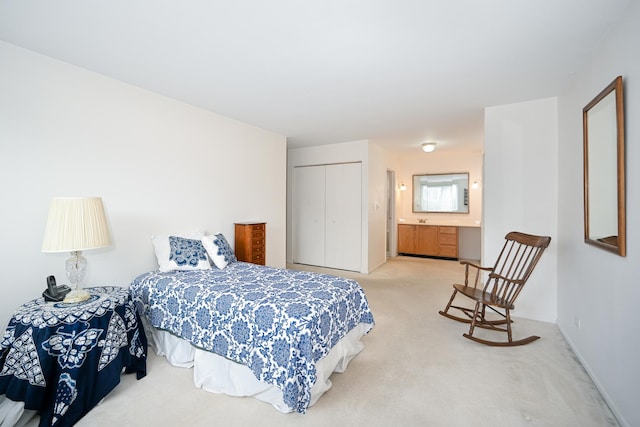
{"x":277,"y":322}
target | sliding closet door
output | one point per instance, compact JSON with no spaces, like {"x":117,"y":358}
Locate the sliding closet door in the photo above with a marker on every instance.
{"x":343,"y":232}
{"x":309,"y":215}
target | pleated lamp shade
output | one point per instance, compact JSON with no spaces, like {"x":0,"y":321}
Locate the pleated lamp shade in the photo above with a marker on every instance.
{"x":75,"y":224}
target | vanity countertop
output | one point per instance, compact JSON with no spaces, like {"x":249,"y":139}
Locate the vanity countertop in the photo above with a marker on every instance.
{"x":443,"y":222}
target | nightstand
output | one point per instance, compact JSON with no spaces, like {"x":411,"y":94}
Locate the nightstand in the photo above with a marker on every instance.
{"x":61,"y":359}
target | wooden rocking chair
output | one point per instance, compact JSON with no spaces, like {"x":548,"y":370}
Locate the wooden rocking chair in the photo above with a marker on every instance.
{"x":518,"y":258}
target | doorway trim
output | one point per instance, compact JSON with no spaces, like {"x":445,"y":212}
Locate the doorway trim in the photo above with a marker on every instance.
{"x":391,"y":229}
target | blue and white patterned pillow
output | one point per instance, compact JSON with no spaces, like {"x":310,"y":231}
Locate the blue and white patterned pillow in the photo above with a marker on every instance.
{"x":219,"y":250}
{"x":186,"y":252}
{"x":182,"y":251}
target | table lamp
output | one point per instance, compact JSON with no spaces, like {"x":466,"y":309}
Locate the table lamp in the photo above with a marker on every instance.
{"x":75,"y":224}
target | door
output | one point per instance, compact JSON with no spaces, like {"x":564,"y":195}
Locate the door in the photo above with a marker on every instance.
{"x":407,"y":239}
{"x":343,"y":232}
{"x":427,"y":240}
{"x":327,"y":216}
{"x":309,"y":215}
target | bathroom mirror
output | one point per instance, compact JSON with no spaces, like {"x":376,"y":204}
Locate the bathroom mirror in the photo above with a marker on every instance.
{"x":441,"y":193}
{"x":604,"y":175}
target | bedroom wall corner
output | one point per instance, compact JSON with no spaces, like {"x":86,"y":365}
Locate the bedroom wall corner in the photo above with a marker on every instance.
{"x":520,"y":192}
{"x":160,"y":165}
{"x":377,"y":206}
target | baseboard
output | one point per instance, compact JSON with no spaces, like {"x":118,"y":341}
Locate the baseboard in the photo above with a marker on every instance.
{"x":614,"y":410}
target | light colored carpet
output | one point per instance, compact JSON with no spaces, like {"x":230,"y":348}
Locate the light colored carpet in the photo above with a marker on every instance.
{"x":416,"y":370}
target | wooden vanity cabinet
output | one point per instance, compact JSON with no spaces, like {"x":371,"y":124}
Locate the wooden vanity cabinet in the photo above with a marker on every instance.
{"x":407,"y":239}
{"x":429,"y":240}
{"x":448,"y":242}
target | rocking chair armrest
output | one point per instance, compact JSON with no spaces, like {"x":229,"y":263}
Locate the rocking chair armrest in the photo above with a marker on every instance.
{"x":478,"y":268}
{"x":468,"y":264}
{"x":499,"y":276}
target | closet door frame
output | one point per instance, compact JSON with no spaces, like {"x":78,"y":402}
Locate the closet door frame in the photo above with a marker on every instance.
{"x":336,"y":240}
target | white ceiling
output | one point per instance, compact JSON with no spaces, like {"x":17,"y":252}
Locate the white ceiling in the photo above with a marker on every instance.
{"x":397,"y":72}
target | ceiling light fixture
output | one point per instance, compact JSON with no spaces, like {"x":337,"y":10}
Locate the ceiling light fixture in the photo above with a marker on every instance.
{"x":428,"y":147}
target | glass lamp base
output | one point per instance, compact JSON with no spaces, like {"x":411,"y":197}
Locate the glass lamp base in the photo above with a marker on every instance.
{"x":76,"y":295}
{"x":76,"y":266}
{"x":76,"y":269}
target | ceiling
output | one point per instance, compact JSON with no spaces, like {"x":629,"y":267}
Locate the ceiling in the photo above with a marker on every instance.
{"x":396,"y":72}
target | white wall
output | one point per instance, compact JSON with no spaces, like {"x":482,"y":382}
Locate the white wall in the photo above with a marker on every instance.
{"x":380,"y":161}
{"x":597,"y":287}
{"x":159,"y":165}
{"x":419,"y":162}
{"x":520,"y":193}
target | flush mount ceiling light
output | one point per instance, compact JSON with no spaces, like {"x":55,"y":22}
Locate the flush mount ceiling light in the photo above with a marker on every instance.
{"x":428,"y":147}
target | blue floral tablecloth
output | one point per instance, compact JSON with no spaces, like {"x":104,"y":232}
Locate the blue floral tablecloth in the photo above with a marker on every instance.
{"x":61,"y":359}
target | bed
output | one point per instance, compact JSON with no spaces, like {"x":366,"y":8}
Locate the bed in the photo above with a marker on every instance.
{"x":250,"y":330}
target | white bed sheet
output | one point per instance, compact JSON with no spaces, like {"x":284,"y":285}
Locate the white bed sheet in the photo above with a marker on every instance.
{"x":218,"y":374}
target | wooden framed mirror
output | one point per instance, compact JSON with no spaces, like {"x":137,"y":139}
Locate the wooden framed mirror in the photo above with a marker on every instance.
{"x":442,"y":192}
{"x":604,"y":174}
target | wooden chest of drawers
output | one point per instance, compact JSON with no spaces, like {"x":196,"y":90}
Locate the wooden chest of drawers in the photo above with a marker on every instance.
{"x":250,"y":242}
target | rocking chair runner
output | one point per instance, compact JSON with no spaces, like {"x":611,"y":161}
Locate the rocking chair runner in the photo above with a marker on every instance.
{"x":518,"y":258}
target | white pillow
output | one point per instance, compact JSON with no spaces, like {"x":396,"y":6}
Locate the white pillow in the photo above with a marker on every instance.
{"x":219,"y":250}
{"x":180,"y":251}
